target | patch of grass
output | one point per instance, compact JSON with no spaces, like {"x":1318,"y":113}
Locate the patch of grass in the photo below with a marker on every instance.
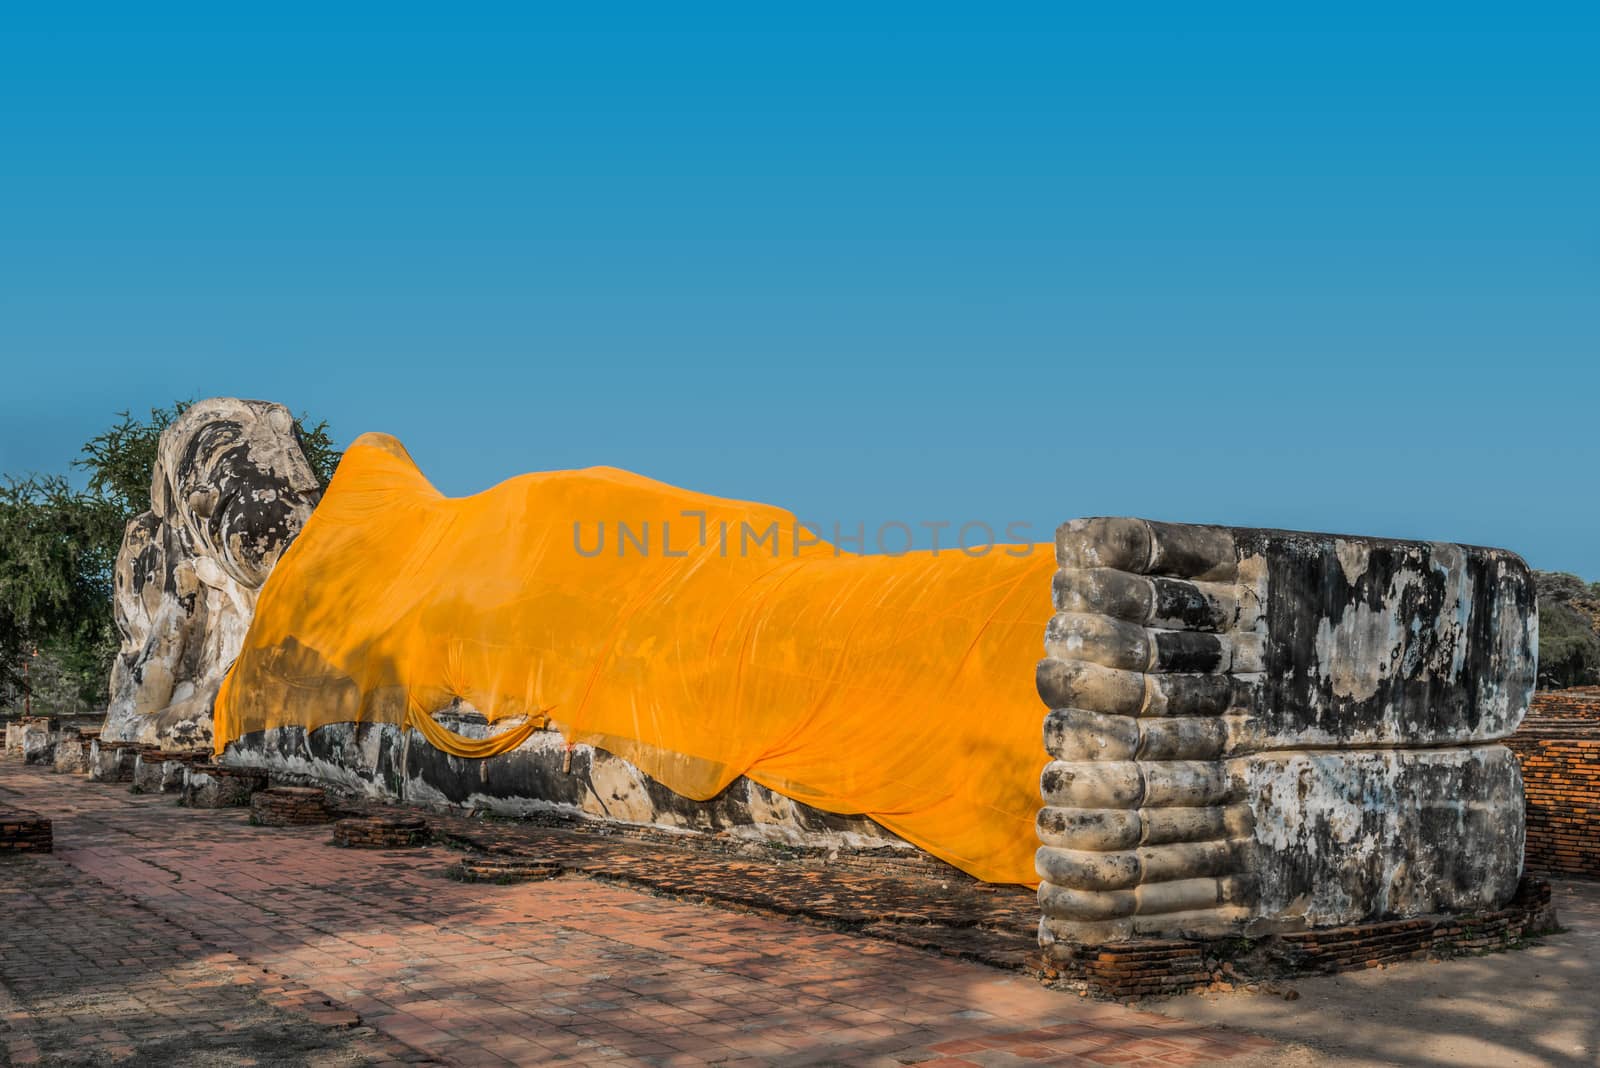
{"x":1231,"y":948}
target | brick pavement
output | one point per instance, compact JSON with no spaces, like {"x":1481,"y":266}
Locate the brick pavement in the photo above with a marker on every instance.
{"x":284,"y":930}
{"x":903,"y":897}
{"x":91,"y":977}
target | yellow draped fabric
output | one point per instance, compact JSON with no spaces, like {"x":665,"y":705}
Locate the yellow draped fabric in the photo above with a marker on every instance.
{"x":700,"y":638}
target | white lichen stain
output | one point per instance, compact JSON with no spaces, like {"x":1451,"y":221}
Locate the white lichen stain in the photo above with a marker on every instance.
{"x":1356,"y":655}
{"x":1353,"y":822}
{"x":1369,"y":646}
{"x":1456,"y":612}
{"x":1353,"y":558}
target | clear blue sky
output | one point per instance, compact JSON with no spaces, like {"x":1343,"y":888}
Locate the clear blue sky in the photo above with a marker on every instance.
{"x":1332,"y":270}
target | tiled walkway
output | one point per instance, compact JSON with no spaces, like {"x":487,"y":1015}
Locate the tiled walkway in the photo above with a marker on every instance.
{"x":195,"y":930}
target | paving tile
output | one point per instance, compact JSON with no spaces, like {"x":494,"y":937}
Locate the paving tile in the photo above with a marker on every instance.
{"x":372,"y":958}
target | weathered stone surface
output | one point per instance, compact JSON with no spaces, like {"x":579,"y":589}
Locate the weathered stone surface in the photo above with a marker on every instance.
{"x":159,"y":771}
{"x":34,"y":739}
{"x":111,"y":761}
{"x":1346,"y":836}
{"x":1263,"y":730}
{"x":149,"y":771}
{"x":213,"y":786}
{"x":543,"y":776}
{"x":1376,"y":642}
{"x":72,"y":754}
{"x":230,"y":491}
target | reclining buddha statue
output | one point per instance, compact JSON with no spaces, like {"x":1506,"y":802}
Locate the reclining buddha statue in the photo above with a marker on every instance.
{"x":701,"y":639}
{"x":1242,"y":730}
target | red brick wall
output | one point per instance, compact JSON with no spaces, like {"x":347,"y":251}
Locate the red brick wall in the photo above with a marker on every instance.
{"x":1559,"y":749}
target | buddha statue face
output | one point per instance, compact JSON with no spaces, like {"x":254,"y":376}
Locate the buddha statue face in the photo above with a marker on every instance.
{"x":232,"y":479}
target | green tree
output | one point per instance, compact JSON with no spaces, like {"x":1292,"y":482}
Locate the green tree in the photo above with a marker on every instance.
{"x":1569,"y":630}
{"x":57,"y":548}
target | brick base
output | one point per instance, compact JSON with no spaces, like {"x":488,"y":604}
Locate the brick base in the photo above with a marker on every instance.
{"x":1155,"y":968}
{"x":506,"y":870}
{"x":289,"y":806}
{"x":381,"y":832}
{"x":24,"y":832}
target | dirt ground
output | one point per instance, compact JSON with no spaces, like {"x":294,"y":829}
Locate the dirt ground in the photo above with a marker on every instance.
{"x":1537,"y":1006}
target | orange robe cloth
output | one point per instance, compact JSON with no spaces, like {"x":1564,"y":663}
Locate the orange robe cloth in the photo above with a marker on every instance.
{"x":699,"y":646}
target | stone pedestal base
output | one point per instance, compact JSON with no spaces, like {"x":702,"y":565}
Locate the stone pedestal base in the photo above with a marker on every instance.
{"x":33,"y":738}
{"x":74,"y":752}
{"x":147,"y":772}
{"x":217,"y":786}
{"x":112,"y":761}
{"x":157,"y":771}
{"x":1161,"y":967}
